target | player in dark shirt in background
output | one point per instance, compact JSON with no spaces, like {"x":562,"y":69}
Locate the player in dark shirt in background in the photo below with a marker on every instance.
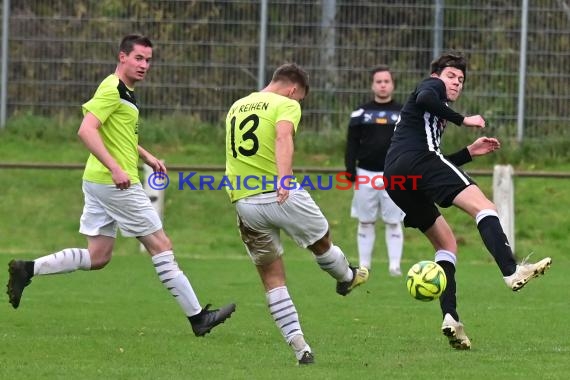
{"x":369,"y":133}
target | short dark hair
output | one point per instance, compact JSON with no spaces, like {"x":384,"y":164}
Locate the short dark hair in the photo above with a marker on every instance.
{"x":293,"y":73}
{"x":449,"y":59}
{"x":379,"y":69}
{"x":129,"y":41}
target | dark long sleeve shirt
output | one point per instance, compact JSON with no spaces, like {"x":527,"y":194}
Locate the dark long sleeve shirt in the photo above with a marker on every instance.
{"x":423,"y":121}
{"x":370,"y":131}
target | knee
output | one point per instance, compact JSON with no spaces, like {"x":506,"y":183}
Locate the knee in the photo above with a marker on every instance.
{"x":322,"y":245}
{"x":366,"y":225}
{"x":100,"y":258}
{"x":157,"y":244}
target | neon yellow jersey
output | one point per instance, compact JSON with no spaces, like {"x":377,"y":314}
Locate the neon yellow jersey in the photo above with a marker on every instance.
{"x":250,"y":141}
{"x":115,"y":106}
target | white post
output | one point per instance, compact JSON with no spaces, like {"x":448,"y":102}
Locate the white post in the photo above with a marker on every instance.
{"x":504,"y":199}
{"x":156,"y":196}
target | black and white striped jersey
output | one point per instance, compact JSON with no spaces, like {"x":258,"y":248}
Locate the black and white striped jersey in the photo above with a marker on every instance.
{"x":423,"y":119}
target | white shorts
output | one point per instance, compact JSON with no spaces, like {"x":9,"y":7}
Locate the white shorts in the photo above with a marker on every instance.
{"x":367,"y":201}
{"x":261,"y":219}
{"x":107,"y":208}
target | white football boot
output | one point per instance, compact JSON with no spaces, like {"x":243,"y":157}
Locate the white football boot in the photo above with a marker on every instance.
{"x":525,"y":272}
{"x":454,"y":331}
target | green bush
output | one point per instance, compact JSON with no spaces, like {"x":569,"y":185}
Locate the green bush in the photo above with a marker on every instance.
{"x":179,"y":138}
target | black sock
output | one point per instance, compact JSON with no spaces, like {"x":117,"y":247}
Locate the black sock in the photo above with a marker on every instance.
{"x":497,"y":243}
{"x":447,"y":300}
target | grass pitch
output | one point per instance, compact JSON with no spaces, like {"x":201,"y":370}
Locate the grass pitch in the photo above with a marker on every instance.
{"x":120,"y":323}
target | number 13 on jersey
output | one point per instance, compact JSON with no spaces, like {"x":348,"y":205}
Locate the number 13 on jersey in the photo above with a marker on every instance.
{"x":242,"y":136}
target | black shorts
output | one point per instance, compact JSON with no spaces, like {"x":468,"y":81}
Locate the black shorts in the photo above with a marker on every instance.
{"x":426,"y":179}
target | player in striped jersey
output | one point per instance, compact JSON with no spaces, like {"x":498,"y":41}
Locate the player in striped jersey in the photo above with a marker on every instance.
{"x":415,"y":150}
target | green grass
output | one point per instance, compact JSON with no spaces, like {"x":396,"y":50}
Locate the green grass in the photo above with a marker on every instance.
{"x":120,"y":323}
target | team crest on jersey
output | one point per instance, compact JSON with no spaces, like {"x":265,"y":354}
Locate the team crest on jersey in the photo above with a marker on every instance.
{"x":357,"y":113}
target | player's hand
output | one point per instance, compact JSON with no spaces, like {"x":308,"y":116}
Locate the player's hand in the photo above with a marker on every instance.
{"x":282,"y":195}
{"x":156,"y":164}
{"x":475,"y":121}
{"x":120,"y":179}
{"x":483,"y":145}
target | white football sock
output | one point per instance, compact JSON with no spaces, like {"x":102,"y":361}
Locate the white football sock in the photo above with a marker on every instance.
{"x":365,"y":240}
{"x":334,"y":263}
{"x":394,"y":244}
{"x":64,"y":261}
{"x":285,"y":315}
{"x":176,"y":282}
{"x":443,"y":255}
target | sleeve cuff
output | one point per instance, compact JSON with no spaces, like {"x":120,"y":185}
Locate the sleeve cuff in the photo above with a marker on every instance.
{"x":460,"y":158}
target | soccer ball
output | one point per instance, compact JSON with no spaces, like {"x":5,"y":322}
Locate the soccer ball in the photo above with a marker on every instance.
{"x":426,"y":281}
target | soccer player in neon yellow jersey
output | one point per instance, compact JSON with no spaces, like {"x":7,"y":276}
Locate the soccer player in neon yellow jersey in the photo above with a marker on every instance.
{"x":259,"y":157}
{"x":114,"y":197}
